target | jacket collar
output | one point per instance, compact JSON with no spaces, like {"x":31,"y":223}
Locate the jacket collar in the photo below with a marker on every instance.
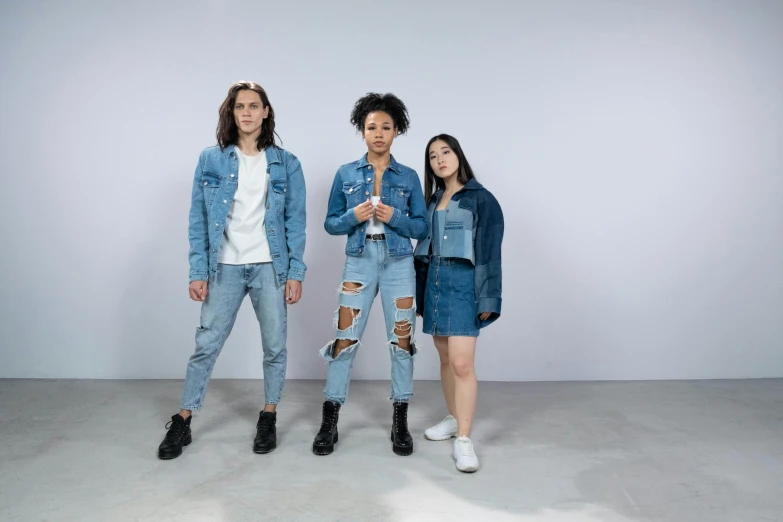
{"x":393,"y":165}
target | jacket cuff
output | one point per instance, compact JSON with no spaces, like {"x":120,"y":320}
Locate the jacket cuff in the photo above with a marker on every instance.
{"x":198,"y":276}
{"x":395,"y":217}
{"x":488,"y":304}
{"x":297,"y":274}
{"x":350,"y":218}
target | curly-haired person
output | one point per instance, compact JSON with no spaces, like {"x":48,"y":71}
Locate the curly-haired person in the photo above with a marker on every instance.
{"x":378,"y":203}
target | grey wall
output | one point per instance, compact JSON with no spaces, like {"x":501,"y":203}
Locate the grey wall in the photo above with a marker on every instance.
{"x":635,"y":147}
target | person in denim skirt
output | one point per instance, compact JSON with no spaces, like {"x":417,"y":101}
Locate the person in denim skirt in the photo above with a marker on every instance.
{"x":378,"y":203}
{"x":247,"y":236}
{"x":458,"y":282}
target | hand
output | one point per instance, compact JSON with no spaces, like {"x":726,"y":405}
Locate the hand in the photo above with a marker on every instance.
{"x":364,"y":211}
{"x":198,"y":290}
{"x":384,"y":212}
{"x":484,"y":315}
{"x":293,"y":291}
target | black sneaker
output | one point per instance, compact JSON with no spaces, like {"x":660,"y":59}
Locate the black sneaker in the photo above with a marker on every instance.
{"x":402,"y":442}
{"x":266,"y":434}
{"x":327,"y":436}
{"x":177,"y":437}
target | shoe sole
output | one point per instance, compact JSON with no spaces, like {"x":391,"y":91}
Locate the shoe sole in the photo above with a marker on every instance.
{"x":468,"y":470}
{"x":264,"y":451}
{"x":170,"y":457}
{"x":401,"y":450}
{"x":325,"y":449}
{"x":442,"y":437}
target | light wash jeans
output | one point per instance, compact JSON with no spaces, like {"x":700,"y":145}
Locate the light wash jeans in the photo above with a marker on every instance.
{"x":225,"y":293}
{"x":395,"y":278}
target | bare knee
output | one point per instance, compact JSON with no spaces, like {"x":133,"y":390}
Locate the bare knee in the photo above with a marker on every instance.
{"x":462,"y":368}
{"x":346,"y":322}
{"x":404,"y":327}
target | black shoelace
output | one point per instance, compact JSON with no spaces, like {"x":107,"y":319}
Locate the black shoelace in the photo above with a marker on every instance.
{"x":401,"y":419}
{"x":329,"y":416}
{"x":177,"y":429}
{"x":264,"y":423}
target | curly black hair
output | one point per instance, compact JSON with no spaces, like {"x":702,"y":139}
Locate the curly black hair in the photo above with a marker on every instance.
{"x":388,"y":103}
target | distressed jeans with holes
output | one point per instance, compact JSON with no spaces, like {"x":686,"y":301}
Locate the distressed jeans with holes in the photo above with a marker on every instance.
{"x":395,"y":279}
{"x":225,"y":293}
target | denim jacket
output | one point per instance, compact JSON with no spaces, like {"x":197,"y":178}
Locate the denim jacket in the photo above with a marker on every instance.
{"x":400,"y":188}
{"x":476,"y":223}
{"x":214,"y":186}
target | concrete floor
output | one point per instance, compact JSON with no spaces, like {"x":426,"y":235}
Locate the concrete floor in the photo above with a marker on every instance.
{"x":673,"y":451}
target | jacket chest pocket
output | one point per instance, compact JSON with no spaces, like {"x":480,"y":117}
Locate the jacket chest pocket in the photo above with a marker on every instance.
{"x":458,"y":219}
{"x":278,"y":193}
{"x":210,"y":184}
{"x":352,"y":190}
{"x":400,"y":197}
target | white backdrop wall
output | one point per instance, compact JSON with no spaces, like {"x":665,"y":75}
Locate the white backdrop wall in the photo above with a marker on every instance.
{"x":635,"y":148}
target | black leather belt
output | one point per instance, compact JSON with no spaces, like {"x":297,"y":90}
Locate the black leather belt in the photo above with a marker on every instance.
{"x":376,"y":237}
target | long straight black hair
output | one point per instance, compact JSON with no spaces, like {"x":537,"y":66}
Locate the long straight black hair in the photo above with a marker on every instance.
{"x":433,"y":183}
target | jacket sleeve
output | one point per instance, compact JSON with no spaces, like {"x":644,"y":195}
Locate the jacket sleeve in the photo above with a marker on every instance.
{"x":340,"y":220}
{"x":198,"y":232}
{"x":295,"y":216}
{"x":421,"y":268}
{"x":415,"y":225}
{"x":488,"y":280}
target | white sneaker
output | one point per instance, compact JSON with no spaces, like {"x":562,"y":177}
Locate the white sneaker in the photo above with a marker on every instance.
{"x":466,"y":458}
{"x":444,"y":430}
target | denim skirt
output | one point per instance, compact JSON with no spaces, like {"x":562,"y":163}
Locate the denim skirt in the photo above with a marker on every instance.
{"x":450,"y":298}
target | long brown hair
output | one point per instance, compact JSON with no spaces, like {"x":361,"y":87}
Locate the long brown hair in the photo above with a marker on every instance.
{"x":227,"y":132}
{"x":433,"y":183}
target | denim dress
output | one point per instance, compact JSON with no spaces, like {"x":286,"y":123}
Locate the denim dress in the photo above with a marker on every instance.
{"x":449,"y":294}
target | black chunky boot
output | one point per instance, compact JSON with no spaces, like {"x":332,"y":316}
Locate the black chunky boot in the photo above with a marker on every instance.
{"x":327,"y":436}
{"x":177,"y":437}
{"x":266,"y":434}
{"x":402,"y":442}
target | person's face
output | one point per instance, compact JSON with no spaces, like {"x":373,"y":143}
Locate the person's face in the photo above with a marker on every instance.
{"x":379,"y":132}
{"x":249,"y":112}
{"x":443,"y":160}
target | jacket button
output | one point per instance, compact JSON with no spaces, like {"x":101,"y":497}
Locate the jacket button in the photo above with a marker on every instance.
{"x":366,"y":193}
{"x":369,"y":167}
{"x":205,"y":183}
{"x":232,"y":175}
{"x":445,"y":237}
{"x":225,"y":201}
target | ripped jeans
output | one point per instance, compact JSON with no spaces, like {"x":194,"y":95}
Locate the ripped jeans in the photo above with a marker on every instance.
{"x":395,"y":278}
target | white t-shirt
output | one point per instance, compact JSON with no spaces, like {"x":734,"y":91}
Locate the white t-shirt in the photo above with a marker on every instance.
{"x":244,"y":237}
{"x":375,"y":225}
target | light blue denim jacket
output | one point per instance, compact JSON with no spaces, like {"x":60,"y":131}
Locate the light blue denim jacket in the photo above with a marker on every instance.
{"x":214,"y":186}
{"x":400,"y":188}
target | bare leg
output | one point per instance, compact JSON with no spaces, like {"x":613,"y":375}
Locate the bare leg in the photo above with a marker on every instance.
{"x":462,"y":351}
{"x":446,"y":375}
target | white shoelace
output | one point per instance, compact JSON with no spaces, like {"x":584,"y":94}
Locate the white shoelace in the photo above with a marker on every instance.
{"x":445,"y":421}
{"x":465,"y":448}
